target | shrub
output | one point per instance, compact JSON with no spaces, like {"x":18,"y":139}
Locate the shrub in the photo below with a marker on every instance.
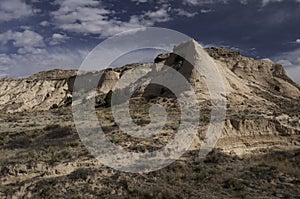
{"x":232,"y":183}
{"x":80,"y":173}
{"x":57,"y":131}
{"x":51,"y":127}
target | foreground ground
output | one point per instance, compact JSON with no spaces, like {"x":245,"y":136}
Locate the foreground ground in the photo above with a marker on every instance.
{"x":43,"y":157}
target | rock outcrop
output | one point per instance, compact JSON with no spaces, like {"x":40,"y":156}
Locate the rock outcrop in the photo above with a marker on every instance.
{"x":262,"y":101}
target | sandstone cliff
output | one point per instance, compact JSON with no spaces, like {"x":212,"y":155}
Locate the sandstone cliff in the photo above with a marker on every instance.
{"x":257,"y":155}
{"x":262,"y":101}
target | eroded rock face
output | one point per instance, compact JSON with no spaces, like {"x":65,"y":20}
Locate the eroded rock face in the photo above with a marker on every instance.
{"x":42,"y":155}
{"x":24,"y":95}
{"x":263,"y":102}
{"x":243,"y":77}
{"x":240,"y":73}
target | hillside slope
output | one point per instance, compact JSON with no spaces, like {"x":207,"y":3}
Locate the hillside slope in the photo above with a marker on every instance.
{"x":257,"y":155}
{"x":262,"y":101}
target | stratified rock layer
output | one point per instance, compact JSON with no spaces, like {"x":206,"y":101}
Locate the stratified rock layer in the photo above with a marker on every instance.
{"x":262,"y":101}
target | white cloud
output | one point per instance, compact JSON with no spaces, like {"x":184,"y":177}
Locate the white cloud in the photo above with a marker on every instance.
{"x":45,"y":23}
{"x":31,"y":50}
{"x":14,"y":9}
{"x":25,"y":27}
{"x":4,"y":60}
{"x":160,"y":15}
{"x":27,"y":41}
{"x":193,"y":2}
{"x":244,"y":2}
{"x":58,"y":38}
{"x":150,"y":18}
{"x":204,"y":11}
{"x":297,"y":40}
{"x":32,"y":55}
{"x":291,"y":62}
{"x":202,"y":2}
{"x":73,"y":4}
{"x":185,"y":13}
{"x":88,"y":17}
{"x":265,"y":2}
{"x":18,"y":65}
{"x":21,"y":39}
{"x":3,"y":75}
{"x":139,"y":1}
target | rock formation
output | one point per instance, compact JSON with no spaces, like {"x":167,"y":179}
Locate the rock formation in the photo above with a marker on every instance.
{"x":256,"y":156}
{"x":258,"y":93}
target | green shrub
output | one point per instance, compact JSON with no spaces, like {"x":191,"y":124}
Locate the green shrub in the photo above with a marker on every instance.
{"x":79,"y":174}
{"x":57,"y":131}
{"x":233,"y":184}
{"x":51,"y":127}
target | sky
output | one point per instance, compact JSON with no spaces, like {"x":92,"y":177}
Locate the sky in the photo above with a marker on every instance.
{"x":38,"y":35}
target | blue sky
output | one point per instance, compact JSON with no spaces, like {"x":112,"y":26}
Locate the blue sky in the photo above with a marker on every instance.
{"x":39,"y":35}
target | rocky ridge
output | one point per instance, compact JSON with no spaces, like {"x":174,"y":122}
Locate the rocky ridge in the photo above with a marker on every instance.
{"x":262,"y":101}
{"x":257,"y":155}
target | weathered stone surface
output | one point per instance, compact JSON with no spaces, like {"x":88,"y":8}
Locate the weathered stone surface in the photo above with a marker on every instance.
{"x":257,"y":155}
{"x":262,"y":99}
